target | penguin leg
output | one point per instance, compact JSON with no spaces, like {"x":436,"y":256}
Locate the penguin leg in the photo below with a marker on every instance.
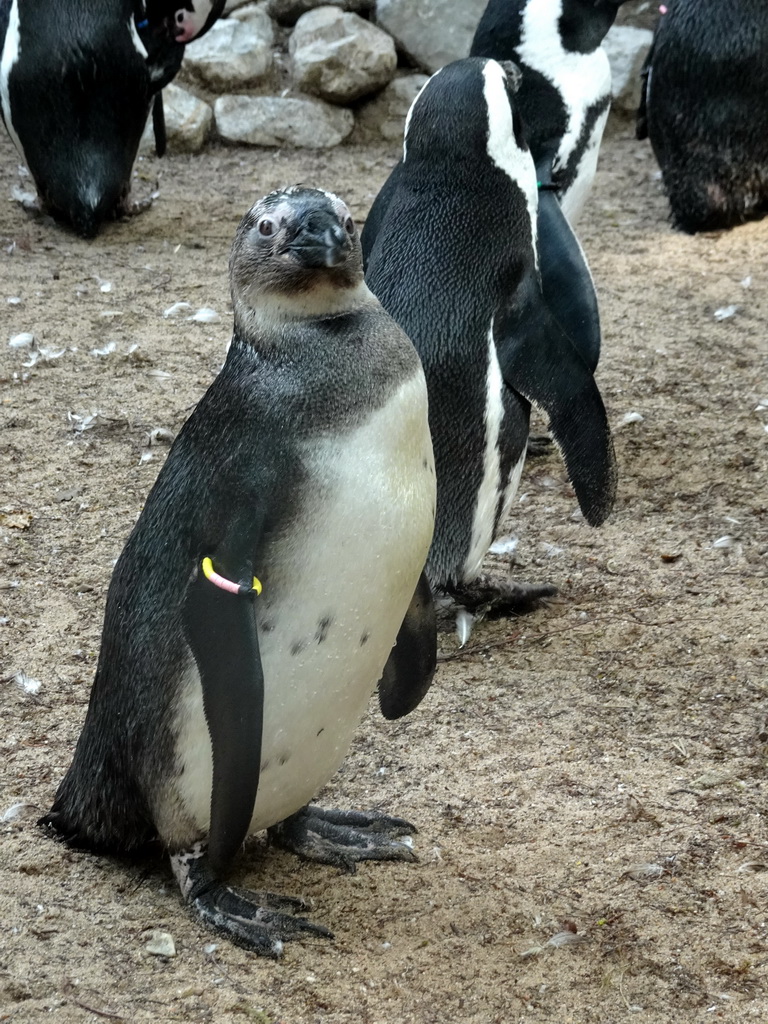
{"x":344,"y":838}
{"x":260,"y":921}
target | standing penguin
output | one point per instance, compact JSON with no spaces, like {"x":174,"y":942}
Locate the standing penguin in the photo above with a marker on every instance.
{"x":705,"y":109}
{"x":454,"y":260}
{"x":76,"y":82}
{"x":276,"y":562}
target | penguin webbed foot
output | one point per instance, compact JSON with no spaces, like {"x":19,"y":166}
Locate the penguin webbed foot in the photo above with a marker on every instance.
{"x":344,"y":838}
{"x":130,"y":207}
{"x":259,"y":921}
{"x":494,"y":597}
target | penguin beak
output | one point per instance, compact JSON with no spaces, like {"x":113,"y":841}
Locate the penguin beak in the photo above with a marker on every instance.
{"x":320,"y":241}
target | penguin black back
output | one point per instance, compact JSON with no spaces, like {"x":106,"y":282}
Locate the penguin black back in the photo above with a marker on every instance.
{"x":704,"y":109}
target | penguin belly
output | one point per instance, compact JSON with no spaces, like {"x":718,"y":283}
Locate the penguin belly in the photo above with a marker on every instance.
{"x":338,"y":581}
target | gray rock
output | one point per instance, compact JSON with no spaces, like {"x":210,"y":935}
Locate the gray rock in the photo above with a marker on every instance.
{"x":431,"y":32}
{"x":278,"y":121}
{"x":387,"y":113}
{"x":233,"y":54}
{"x":340,"y":56}
{"x":626,"y":48}
{"x":288,"y":12}
{"x":159,"y":943}
{"x":188,"y":121}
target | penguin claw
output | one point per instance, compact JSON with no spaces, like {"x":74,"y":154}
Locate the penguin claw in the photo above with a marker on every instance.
{"x":344,"y":838}
{"x":250,"y":919}
{"x":259,"y":921}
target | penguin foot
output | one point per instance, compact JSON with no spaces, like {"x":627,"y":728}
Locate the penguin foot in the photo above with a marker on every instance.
{"x":259,"y":921}
{"x":133,"y":207}
{"x":495,"y":597}
{"x":539,"y":445}
{"x":344,"y":838}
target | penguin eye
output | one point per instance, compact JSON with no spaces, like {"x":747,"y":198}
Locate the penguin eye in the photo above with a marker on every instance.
{"x":266,"y":227}
{"x":349,"y":226}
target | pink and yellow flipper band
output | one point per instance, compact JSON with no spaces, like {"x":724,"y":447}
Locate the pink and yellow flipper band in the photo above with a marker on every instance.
{"x":224,"y":584}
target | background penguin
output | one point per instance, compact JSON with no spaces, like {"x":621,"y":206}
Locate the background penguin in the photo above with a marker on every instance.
{"x":704,"y":109}
{"x":308,"y":464}
{"x":564,"y":99}
{"x":76,"y":82}
{"x":565,"y":93}
{"x":454,"y":261}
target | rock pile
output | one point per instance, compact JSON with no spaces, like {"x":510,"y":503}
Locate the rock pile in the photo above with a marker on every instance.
{"x":303,"y":72}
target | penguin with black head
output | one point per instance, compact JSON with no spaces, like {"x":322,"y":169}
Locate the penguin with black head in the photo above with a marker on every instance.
{"x":273,"y":579}
{"x":704,"y":108}
{"x":454,"y":260}
{"x":77,"y":79}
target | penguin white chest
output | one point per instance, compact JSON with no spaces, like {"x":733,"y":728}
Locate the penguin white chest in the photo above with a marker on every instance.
{"x":337,"y":584}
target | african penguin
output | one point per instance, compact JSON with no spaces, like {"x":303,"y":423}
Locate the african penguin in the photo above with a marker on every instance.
{"x":277,"y":561}
{"x":76,"y":82}
{"x":705,"y":110}
{"x":453,"y":258}
{"x":565,"y":93}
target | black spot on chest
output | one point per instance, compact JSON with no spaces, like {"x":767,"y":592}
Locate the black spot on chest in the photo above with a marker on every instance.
{"x":323,"y":626}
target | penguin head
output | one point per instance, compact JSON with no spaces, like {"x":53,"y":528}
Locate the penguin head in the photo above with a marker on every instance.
{"x":296,"y":249}
{"x":79,"y":94}
{"x":465,"y":111}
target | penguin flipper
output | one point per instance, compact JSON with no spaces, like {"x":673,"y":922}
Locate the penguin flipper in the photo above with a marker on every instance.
{"x":538,"y":360}
{"x":566,"y":282}
{"x":411,"y":664}
{"x":221,"y":632}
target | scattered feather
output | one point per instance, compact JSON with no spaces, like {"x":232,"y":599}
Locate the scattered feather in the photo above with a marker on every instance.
{"x":724,"y":542}
{"x":560,"y":939}
{"x":81,"y":423}
{"x":630,"y":417}
{"x":27,"y":683}
{"x":21,"y":195}
{"x":13,"y":300}
{"x":16,"y":810}
{"x":551,"y":550}
{"x":753,"y":865}
{"x":644,"y":870}
{"x":43,"y":355}
{"x":762,"y":405}
{"x":504,"y":546}
{"x":746,"y":282}
{"x":107,"y":350}
{"x":110,"y":314}
{"x":205,"y":315}
{"x":145,"y":457}
{"x":176,"y":308}
{"x":23,"y":340}
{"x":104,"y":286}
{"x":464,"y":622}
{"x":726,"y":312}
{"x":161,"y":374}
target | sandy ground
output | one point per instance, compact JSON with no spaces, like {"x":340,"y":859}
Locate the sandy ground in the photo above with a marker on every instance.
{"x":593,"y":771}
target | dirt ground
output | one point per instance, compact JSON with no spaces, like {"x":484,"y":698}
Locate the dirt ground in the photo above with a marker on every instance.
{"x":594,"y":772}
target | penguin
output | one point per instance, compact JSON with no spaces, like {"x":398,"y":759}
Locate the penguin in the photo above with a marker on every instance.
{"x":565,"y":93}
{"x":76,"y":82}
{"x":703,"y":107}
{"x":273,"y":579}
{"x":454,"y":260}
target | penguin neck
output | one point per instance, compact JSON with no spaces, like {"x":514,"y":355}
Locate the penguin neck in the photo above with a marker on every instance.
{"x":270,"y":311}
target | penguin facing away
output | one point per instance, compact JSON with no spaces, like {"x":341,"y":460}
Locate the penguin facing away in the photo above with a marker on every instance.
{"x":454,"y":260}
{"x":703,"y":107}
{"x":304,"y":476}
{"x":76,"y":82}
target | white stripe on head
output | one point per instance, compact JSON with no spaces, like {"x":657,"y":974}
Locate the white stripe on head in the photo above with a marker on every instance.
{"x":410,"y":112}
{"x":581,"y":78}
{"x":10,"y":55}
{"x":503,"y":149}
